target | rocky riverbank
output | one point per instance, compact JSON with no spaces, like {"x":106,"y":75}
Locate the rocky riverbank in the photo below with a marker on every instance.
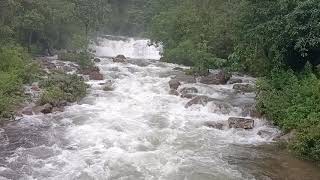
{"x":61,"y":83}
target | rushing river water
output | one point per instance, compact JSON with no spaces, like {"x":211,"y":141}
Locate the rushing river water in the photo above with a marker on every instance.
{"x":140,"y":132}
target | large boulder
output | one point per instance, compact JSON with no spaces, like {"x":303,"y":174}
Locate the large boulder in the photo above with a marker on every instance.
{"x":119,"y":59}
{"x":221,"y":77}
{"x":45,"y":109}
{"x":187,"y":79}
{"x":245,"y":88}
{"x":235,"y":81}
{"x":95,"y":76}
{"x":174,"y":84}
{"x":93,"y":72}
{"x":242,"y":123}
{"x":220,"y":107}
{"x":202,"y":100}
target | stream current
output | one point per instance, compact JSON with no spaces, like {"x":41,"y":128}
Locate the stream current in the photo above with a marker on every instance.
{"x":139,"y":131}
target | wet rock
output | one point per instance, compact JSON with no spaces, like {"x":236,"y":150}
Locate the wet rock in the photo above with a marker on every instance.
{"x":97,"y":60}
{"x":27,"y":111}
{"x":221,"y":107}
{"x":57,"y":109}
{"x":61,"y":103}
{"x":45,"y":109}
{"x":174,"y":84}
{"x":243,"y":123}
{"x":221,"y":77}
{"x":265,"y":133}
{"x":95,"y":76}
{"x":188,"y":96}
{"x":178,"y":69}
{"x":189,"y":90}
{"x":108,"y":88}
{"x":188,"y":79}
{"x":235,"y":80}
{"x":119,"y":59}
{"x":93,"y":72}
{"x":215,"y":125}
{"x":252,"y":111}
{"x":174,"y":92}
{"x":245,"y":88}
{"x":162,"y":59}
{"x":202,"y":100}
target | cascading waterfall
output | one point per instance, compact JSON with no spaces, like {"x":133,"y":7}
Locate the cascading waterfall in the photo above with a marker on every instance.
{"x":140,"y":132}
{"x":129,"y":47}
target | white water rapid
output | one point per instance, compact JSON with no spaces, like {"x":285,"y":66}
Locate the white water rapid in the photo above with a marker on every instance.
{"x":140,"y":132}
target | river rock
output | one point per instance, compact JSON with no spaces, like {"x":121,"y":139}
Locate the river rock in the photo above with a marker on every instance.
{"x":95,"y":76}
{"x":220,"y":107}
{"x":27,"y":111}
{"x":203,"y":100}
{"x":245,"y":88}
{"x":93,"y":72}
{"x":57,"y":109}
{"x":174,"y":84}
{"x":188,"y":96}
{"x":243,"y":123}
{"x":215,"y":125}
{"x":178,"y":69}
{"x":174,"y":92}
{"x":108,"y":88}
{"x":220,"y":77}
{"x":45,"y":109}
{"x":235,"y":81}
{"x":119,"y":59}
{"x":188,"y":79}
{"x":97,"y":60}
{"x":265,"y":133}
{"x":189,"y":90}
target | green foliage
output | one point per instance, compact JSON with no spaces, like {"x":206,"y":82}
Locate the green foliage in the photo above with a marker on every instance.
{"x":13,"y":73}
{"x":280,"y":32}
{"x":293,"y":102}
{"x":83,"y":59}
{"x":196,"y":33}
{"x":62,"y":87}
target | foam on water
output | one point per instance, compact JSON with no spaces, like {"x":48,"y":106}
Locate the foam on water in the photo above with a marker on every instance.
{"x":138,"y":131}
{"x":129,"y":47}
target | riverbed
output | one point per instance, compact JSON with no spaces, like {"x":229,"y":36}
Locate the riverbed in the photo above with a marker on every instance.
{"x":139,"y":131}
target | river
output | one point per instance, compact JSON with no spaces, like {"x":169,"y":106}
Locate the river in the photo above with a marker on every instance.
{"x":140,"y":132}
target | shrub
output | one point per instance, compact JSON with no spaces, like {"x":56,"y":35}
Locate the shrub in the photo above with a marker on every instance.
{"x":83,"y":59}
{"x":293,"y":102}
{"x":62,"y":87}
{"x":13,"y":73}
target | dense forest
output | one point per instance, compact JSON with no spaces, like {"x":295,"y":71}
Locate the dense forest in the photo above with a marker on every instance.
{"x":275,"y":40}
